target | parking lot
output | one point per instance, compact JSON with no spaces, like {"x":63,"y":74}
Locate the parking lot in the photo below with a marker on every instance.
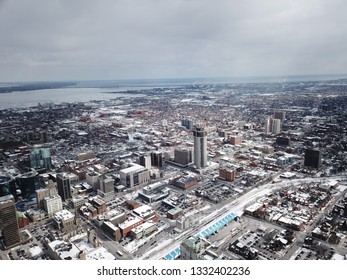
{"x":36,"y":248}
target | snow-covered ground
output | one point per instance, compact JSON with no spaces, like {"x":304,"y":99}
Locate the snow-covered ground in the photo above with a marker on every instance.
{"x":132,"y":246}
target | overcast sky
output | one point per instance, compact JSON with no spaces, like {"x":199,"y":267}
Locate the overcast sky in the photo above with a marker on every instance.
{"x":131,"y":39}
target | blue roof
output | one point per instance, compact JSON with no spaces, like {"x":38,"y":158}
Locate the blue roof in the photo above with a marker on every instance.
{"x":217,"y":225}
{"x":207,"y":232}
{"x":173,"y":254}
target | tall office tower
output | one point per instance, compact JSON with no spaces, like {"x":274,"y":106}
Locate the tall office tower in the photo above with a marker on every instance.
{"x":41,"y":158}
{"x":8,"y":221}
{"x":157,"y":159}
{"x":146,"y":161}
{"x":313,"y":158}
{"x":28,"y":184}
{"x":183,"y":156}
{"x":49,"y":190}
{"x":63,"y":184}
{"x":276,"y":126}
{"x":200,"y":146}
{"x":188,"y":124}
{"x":106,"y":184}
{"x":7,"y":185}
{"x":272,"y":125}
{"x":268,"y":125}
{"x":279,"y":115}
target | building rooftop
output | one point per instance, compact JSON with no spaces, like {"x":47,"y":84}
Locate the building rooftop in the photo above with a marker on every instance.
{"x":131,"y":221}
{"x":143,"y":211}
{"x":143,"y":227}
{"x":134,"y":168}
{"x":63,"y":215}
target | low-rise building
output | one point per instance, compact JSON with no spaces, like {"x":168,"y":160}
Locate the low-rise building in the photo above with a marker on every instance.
{"x":174,"y":213}
{"x":192,"y":248}
{"x":143,"y":230}
{"x":129,"y":224}
{"x":64,"y":220}
{"x":146,"y":213}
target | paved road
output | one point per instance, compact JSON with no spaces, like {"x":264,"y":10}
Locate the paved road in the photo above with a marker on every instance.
{"x":300,"y":236}
{"x":235,"y":206}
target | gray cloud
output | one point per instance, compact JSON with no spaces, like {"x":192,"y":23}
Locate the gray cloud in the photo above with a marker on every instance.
{"x":59,"y":40}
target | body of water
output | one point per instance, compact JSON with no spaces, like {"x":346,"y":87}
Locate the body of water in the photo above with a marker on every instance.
{"x":85,"y":91}
{"x":23,"y":99}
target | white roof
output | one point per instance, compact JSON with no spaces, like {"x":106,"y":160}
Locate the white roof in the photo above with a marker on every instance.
{"x":143,"y":227}
{"x":130,"y":222}
{"x":134,"y":168}
{"x":143,"y":210}
{"x":61,"y":247}
{"x":63,"y":215}
{"x":35,"y":251}
{"x":100,"y":254}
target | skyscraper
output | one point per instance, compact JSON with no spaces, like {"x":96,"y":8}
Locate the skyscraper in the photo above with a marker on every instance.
{"x":146,"y":161}
{"x":313,"y":158}
{"x":8,"y":221}
{"x":7,"y":185}
{"x":28,"y":184}
{"x":157,"y":159}
{"x":64,"y":188}
{"x":268,"y":125}
{"x":276,"y":126}
{"x":188,"y":124}
{"x":41,"y":158}
{"x":200,"y":146}
{"x":281,"y":115}
{"x":272,"y":125}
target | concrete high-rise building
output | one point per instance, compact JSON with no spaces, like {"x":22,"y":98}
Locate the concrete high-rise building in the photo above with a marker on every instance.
{"x":8,"y":221}
{"x":64,"y":186}
{"x":268,"y":125}
{"x":146,"y":161}
{"x":200,"y":146}
{"x":313,"y":158}
{"x":41,"y":158}
{"x":279,"y":115}
{"x":49,"y":190}
{"x":157,"y":159}
{"x":276,"y":126}
{"x":92,"y":179}
{"x":106,"y":184}
{"x":183,"y":156}
{"x":52,"y":205}
{"x":272,"y":125}
{"x":106,"y":188}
